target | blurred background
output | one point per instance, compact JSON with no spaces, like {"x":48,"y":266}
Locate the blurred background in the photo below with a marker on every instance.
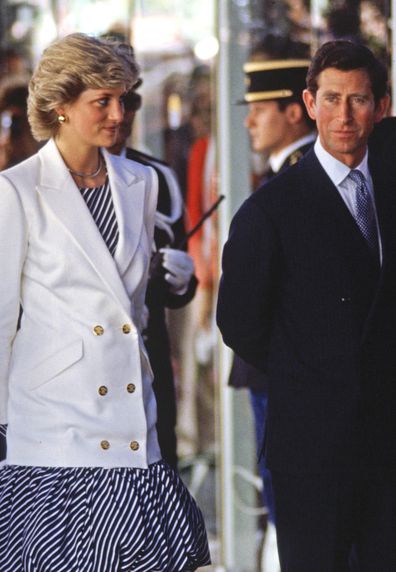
{"x":191,"y":55}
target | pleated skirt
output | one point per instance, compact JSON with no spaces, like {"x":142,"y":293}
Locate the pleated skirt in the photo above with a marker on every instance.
{"x":98,"y":520}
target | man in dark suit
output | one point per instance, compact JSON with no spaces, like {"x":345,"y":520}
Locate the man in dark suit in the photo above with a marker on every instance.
{"x":279,"y":127}
{"x":308,"y":296}
{"x":172,"y":287}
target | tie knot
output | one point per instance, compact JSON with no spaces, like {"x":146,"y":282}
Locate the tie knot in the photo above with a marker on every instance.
{"x":357,"y":177}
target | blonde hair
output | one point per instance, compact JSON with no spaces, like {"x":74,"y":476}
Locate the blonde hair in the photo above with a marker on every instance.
{"x":68,"y":67}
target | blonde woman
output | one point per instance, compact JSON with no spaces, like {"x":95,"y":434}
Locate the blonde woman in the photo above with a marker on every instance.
{"x":83,"y":488}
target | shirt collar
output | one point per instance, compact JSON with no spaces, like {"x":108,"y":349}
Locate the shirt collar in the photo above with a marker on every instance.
{"x":336,"y":170}
{"x":276,"y":161}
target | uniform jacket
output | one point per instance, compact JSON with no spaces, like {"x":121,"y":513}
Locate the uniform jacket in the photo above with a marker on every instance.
{"x":75,"y":379}
{"x":301,"y":299}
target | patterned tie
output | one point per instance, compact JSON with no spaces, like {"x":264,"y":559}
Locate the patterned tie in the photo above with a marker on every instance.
{"x":365,"y":214}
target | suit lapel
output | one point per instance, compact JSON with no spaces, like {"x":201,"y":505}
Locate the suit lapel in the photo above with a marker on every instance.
{"x":321,"y":191}
{"x":385,"y":216}
{"x":128,"y":191}
{"x":62,"y":196}
{"x":352,"y":244}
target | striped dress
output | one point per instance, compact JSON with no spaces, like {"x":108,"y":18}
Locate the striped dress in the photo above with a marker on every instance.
{"x":56,"y":519}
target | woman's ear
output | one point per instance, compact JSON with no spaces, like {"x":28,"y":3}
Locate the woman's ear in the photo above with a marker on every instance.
{"x":60,"y":112}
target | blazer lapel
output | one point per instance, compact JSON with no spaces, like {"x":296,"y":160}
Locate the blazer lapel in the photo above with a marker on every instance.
{"x":62,"y":196}
{"x":128,"y":191}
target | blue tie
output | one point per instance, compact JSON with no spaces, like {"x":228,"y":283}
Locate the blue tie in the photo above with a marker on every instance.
{"x":365,"y":213}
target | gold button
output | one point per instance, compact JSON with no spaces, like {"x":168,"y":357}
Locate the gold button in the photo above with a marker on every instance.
{"x":105,"y":445}
{"x":98,"y":330}
{"x":103,"y":390}
{"x":131,"y":387}
{"x":126,"y":328}
{"x":134,"y":445}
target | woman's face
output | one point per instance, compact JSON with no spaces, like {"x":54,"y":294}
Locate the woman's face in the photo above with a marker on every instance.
{"x":93,"y":119}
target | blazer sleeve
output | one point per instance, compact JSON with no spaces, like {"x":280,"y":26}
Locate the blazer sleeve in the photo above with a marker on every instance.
{"x":248,"y":285}
{"x":13,"y":246}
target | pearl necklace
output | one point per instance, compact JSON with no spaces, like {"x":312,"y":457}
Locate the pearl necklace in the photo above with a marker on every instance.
{"x":88,"y":175}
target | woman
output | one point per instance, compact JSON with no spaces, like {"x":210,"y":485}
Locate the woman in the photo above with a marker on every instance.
{"x":83,"y":488}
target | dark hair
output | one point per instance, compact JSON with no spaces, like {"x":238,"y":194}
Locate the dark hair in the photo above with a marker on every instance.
{"x":346,"y":56}
{"x":132,"y":101}
{"x":14,"y":95}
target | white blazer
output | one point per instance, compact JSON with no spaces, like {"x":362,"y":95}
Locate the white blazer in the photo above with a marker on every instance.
{"x":75,"y":381}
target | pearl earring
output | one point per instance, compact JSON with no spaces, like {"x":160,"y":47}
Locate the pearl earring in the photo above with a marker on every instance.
{"x":61,"y":118}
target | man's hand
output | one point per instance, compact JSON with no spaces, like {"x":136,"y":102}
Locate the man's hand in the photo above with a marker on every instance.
{"x":180,"y":268}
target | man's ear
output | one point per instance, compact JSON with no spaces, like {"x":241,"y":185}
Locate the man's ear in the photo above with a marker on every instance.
{"x":294,"y":113}
{"x":310,"y":103}
{"x":382,"y":108}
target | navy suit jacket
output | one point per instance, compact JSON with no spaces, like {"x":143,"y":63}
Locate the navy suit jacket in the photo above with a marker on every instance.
{"x":242,"y":373}
{"x":302,"y":299}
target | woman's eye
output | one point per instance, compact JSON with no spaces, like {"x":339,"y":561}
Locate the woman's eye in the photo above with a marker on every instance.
{"x":103,"y":102}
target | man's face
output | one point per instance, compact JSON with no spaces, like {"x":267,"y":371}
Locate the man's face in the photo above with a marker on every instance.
{"x":267,"y":126}
{"x":345,"y":112}
{"x":125,"y":128}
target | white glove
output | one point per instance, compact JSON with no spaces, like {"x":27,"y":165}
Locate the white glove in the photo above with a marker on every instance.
{"x":180,"y":267}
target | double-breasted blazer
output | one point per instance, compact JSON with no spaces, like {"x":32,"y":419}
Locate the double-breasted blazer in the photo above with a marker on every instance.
{"x":75,"y":381}
{"x":302,"y":299}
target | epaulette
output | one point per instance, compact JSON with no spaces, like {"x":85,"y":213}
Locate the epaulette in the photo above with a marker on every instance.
{"x":295,"y":157}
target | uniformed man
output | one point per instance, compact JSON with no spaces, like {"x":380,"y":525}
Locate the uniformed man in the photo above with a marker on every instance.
{"x":280,"y":128}
{"x":277,"y":121}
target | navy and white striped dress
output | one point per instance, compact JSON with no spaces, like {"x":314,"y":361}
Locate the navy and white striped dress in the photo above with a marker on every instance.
{"x":95,"y":519}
